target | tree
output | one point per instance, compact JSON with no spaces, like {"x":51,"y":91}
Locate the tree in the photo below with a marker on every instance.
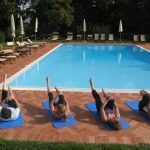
{"x":54,"y":15}
{"x":6,"y":9}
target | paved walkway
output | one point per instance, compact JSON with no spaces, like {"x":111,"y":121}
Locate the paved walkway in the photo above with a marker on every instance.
{"x":38,"y":126}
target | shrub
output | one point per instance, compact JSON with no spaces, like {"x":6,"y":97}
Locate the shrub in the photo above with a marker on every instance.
{"x":2,"y":37}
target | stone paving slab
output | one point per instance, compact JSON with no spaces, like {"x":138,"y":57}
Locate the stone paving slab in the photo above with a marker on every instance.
{"x":38,"y":126}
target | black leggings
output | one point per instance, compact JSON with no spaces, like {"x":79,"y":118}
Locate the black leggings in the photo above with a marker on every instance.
{"x":99,"y":103}
{"x":10,"y":102}
{"x":61,"y":99}
{"x":144,"y":102}
{"x":4,"y":95}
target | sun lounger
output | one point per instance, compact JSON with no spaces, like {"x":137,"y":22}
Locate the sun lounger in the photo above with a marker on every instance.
{"x":110,"y":37}
{"x":69,"y":36}
{"x":21,"y":44}
{"x":2,"y":60}
{"x":89,"y":37}
{"x":22,"y":48}
{"x":96,"y":36}
{"x":102,"y":37}
{"x":9,"y":52}
{"x":142,"y":38}
{"x":9,"y":58}
{"x":79,"y":37}
{"x":55,"y":36}
{"x":6,"y":51}
{"x":35,"y":44}
{"x":135,"y":38}
{"x":10,"y":43}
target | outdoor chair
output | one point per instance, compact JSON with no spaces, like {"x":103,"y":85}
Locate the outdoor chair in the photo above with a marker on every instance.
{"x":69,"y":36}
{"x":110,"y":37}
{"x":142,"y":38}
{"x":96,"y":36}
{"x":36,"y":44}
{"x":135,"y":38}
{"x":2,"y":60}
{"x":55,"y":36}
{"x":22,"y":48}
{"x":8,"y":52}
{"x":102,"y":37}
{"x":8,"y":58}
{"x":79,"y":37}
{"x":89,"y":37}
{"x":10,"y":43}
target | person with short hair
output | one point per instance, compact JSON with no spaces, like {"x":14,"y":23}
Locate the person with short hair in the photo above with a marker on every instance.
{"x":144,"y":104}
{"x":108,"y":110}
{"x":9,"y":106}
{"x":59,"y":106}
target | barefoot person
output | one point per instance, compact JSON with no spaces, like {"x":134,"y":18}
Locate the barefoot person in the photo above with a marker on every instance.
{"x":59,"y":106}
{"x":9,"y":106}
{"x":108,"y":110}
{"x":144,"y":104}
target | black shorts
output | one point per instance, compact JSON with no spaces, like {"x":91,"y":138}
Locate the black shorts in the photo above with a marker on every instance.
{"x":144,"y":102}
{"x":50,"y":95}
{"x":61,"y":99}
{"x":110,"y":104}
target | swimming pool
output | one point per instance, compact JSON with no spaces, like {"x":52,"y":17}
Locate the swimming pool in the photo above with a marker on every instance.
{"x":71,"y":65}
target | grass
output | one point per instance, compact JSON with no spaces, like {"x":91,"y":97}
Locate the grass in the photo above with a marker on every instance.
{"x":32,"y":145}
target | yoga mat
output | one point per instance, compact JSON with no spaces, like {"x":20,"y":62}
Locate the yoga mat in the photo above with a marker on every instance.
{"x":92,"y":108}
{"x":59,"y":123}
{"x":134,"y":106}
{"x":13,"y":123}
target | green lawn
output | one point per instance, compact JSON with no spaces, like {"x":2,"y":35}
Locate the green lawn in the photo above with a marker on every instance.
{"x":28,"y":145}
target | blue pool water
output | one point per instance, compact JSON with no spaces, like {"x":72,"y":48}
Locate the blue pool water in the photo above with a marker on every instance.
{"x":71,"y":66}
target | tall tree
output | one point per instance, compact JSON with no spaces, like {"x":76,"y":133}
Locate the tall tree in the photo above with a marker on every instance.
{"x":54,"y":15}
{"x":6,"y":9}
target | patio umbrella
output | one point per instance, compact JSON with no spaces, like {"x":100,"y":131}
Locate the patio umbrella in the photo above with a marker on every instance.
{"x":120,"y":28}
{"x":13,"y":27}
{"x":21,"y":27}
{"x":84,"y":28}
{"x":36,"y":26}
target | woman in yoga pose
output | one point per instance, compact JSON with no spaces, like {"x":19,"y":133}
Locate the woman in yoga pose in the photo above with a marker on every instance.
{"x":108,"y":110}
{"x":59,"y":106}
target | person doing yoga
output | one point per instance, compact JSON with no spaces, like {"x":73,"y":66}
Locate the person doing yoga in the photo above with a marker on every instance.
{"x":144,"y":104}
{"x":107,"y":108}
{"x":9,"y":106}
{"x":59,"y":106}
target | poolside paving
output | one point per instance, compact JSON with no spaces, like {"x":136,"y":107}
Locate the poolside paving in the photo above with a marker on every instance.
{"x":38,"y":127}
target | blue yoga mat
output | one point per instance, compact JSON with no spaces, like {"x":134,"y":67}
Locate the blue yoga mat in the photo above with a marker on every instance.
{"x":59,"y":123}
{"x":134,"y":105}
{"x":12,"y":124}
{"x":92,"y":108}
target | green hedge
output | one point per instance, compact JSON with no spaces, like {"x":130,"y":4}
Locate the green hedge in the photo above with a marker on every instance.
{"x":30,"y":145}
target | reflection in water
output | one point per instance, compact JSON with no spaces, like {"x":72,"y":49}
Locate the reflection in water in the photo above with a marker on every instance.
{"x":24,"y":76}
{"x":110,"y":48}
{"x":84,"y":57}
{"x":119,"y":58}
{"x":37,"y":67}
